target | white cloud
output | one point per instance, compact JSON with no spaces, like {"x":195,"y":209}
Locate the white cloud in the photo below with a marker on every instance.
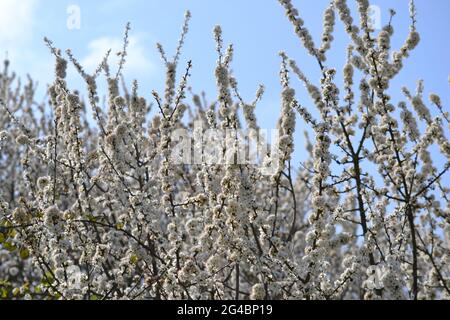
{"x":136,"y":60}
{"x":17,"y":26}
{"x":16,"y":21}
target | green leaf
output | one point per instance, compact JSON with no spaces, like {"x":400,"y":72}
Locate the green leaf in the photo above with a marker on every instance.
{"x":16,"y":292}
{"x":9,"y":246}
{"x":24,"y":253}
{"x":133,"y":259}
{"x":4,"y":293}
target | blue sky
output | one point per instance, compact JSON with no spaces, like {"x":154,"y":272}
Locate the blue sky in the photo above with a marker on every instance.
{"x":257,"y":28}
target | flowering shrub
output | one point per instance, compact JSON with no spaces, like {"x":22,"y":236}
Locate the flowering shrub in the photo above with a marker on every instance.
{"x":107,"y":203}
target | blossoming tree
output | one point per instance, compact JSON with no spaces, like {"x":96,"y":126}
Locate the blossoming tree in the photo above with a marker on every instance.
{"x":95,"y":203}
